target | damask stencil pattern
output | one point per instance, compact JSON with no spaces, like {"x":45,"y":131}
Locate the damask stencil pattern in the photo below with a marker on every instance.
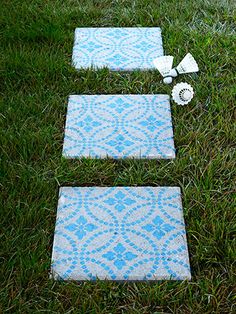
{"x":120,"y":233}
{"x":119,"y":126}
{"x":124,"y":49}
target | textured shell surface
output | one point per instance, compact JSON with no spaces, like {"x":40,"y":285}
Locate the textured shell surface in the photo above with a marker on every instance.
{"x":187,"y":65}
{"x":182,"y":93}
{"x":164,"y":64}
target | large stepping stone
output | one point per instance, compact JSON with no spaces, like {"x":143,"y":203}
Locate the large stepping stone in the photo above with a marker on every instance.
{"x":120,"y":233}
{"x":119,"y":126}
{"x":125,"y":49}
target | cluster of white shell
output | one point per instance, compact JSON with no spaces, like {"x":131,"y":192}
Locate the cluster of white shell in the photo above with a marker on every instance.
{"x":182,"y":93}
{"x":164,"y":66}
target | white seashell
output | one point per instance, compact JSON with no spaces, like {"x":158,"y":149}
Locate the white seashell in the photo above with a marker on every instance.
{"x":167,"y":80}
{"x":187,"y":65}
{"x":173,"y":73}
{"x":164,"y":64}
{"x":182,"y":93}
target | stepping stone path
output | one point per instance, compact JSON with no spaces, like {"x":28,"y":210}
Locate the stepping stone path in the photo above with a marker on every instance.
{"x":119,"y":126}
{"x":119,"y":233}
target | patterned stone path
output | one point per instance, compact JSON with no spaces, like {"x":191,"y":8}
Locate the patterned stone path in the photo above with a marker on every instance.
{"x":119,"y":49}
{"x":119,"y":126}
{"x":120,"y":233}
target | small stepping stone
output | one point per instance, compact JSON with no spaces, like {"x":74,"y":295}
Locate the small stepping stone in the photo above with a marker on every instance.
{"x":119,"y":126}
{"x":124,"y":49}
{"x":120,"y":233}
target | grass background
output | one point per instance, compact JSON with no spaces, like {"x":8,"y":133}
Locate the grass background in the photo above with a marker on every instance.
{"x":36,"y":79}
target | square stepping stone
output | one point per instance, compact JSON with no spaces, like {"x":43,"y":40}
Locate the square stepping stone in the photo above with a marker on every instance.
{"x":124,"y":49}
{"x":120,"y":233}
{"x":119,"y":126}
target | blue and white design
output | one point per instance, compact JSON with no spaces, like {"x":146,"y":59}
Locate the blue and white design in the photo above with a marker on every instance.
{"x":119,"y":126}
{"x":124,"y":49}
{"x":120,"y":233}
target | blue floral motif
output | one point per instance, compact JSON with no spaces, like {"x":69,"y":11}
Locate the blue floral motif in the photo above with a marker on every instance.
{"x":81,"y":227}
{"x":120,"y":233}
{"x":158,"y":227}
{"x":120,"y":201}
{"x":124,"y":49}
{"x":117,"y":59}
{"x":118,"y":33}
{"x":143,"y":46}
{"x":119,"y":143}
{"x":119,"y":256}
{"x":91,"y":46}
{"x":88,"y":124}
{"x":120,"y":105}
{"x":151,"y":123}
{"x":119,"y":126}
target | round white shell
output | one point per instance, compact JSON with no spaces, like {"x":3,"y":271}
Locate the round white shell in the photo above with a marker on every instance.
{"x":173,"y":73}
{"x":167,"y":80}
{"x":182,"y":93}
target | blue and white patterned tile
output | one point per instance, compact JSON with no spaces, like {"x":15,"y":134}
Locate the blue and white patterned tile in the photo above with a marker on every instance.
{"x":120,"y":233}
{"x":123,"y":49}
{"x":119,"y":126}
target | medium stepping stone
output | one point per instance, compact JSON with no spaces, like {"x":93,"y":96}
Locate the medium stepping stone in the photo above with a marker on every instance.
{"x":120,"y":233}
{"x":119,"y":126}
{"x":124,"y":49}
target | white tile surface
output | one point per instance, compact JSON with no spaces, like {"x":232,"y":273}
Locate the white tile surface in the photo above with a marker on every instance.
{"x":120,"y":233}
{"x":119,"y":126}
{"x":125,"y":49}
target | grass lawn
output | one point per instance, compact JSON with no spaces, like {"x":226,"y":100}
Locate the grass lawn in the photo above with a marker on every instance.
{"x":36,"y":79}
